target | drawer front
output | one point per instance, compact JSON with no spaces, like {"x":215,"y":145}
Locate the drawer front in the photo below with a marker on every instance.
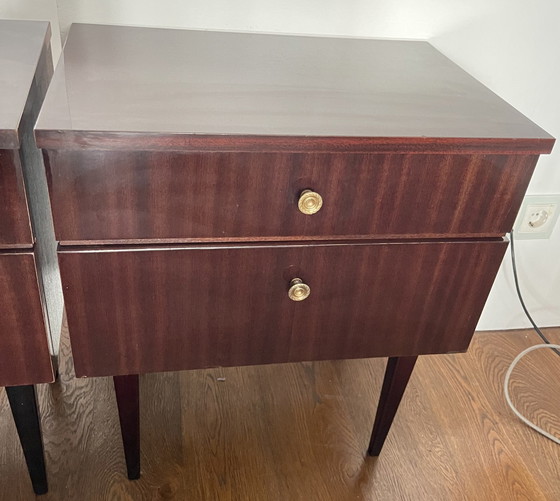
{"x":135,"y":311}
{"x":118,"y":196}
{"x":15,"y":228}
{"x":24,"y":351}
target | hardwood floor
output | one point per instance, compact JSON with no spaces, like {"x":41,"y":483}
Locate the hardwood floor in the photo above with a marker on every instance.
{"x":300,"y":432}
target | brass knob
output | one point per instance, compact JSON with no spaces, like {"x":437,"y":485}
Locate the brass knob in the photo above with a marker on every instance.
{"x":298,"y":290}
{"x":310,"y":202}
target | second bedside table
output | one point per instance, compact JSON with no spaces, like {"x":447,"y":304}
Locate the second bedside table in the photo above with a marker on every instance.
{"x":30,"y":292}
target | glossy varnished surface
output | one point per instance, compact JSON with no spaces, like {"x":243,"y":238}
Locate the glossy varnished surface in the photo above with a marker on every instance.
{"x":38,"y":201}
{"x":298,"y":432}
{"x":174,"y":83}
{"x":24,"y":76}
{"x":21,"y":43}
{"x":137,"y":311}
{"x":25,"y":214}
{"x":24,"y":353}
{"x":103,"y":196}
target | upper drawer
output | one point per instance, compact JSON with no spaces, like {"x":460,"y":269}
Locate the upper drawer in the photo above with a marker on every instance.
{"x":24,"y":351}
{"x":121,"y":195}
{"x":15,"y":228}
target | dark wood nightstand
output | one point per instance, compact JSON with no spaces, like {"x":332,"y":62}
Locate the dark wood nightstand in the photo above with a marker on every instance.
{"x":30,"y":292}
{"x":228,"y":199}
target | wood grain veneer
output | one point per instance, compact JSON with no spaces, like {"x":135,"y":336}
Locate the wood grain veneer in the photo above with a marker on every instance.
{"x":104,"y":196}
{"x":136,"y":311}
{"x":94,"y":140}
{"x":24,"y":351}
{"x":117,"y":79}
{"x":15,"y":227}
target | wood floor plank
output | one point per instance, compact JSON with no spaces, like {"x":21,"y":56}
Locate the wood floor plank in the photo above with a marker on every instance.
{"x":534,"y":390}
{"x":299,"y":432}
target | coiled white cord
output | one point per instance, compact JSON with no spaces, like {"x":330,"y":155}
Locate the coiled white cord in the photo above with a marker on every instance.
{"x":508,"y":398}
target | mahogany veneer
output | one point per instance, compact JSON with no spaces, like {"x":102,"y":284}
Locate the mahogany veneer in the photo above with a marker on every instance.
{"x":132,"y":88}
{"x":115,"y":196}
{"x":15,"y":226}
{"x":175,"y":162}
{"x":24,"y":350}
{"x":194,"y":307}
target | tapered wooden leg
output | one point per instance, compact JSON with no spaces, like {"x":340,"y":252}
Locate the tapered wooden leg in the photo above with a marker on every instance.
{"x":397,"y":374}
{"x":128,"y":402}
{"x":26,"y":416}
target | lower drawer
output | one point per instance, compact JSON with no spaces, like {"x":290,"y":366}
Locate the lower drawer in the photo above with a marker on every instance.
{"x":24,"y":350}
{"x":144,"y":310}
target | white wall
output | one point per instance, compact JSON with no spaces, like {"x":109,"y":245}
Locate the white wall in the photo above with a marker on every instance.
{"x":512,"y":47}
{"x":509,"y":45}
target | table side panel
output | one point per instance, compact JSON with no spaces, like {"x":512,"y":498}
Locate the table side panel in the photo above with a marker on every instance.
{"x":39,"y":202}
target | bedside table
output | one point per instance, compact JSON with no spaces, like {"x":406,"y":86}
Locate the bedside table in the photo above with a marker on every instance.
{"x":225,"y":199}
{"x":30,"y":292}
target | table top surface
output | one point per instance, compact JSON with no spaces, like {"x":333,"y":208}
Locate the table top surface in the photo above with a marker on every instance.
{"x":165,"y":81}
{"x":21,"y":43}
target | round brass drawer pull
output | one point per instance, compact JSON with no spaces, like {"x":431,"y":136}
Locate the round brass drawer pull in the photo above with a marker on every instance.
{"x":298,"y":290}
{"x":310,"y":202}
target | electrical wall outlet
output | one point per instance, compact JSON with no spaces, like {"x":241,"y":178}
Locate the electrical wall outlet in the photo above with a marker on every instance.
{"x":537,"y":216}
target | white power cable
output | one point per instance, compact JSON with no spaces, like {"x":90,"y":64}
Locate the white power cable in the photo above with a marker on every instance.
{"x":506,"y":389}
{"x":554,"y":347}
